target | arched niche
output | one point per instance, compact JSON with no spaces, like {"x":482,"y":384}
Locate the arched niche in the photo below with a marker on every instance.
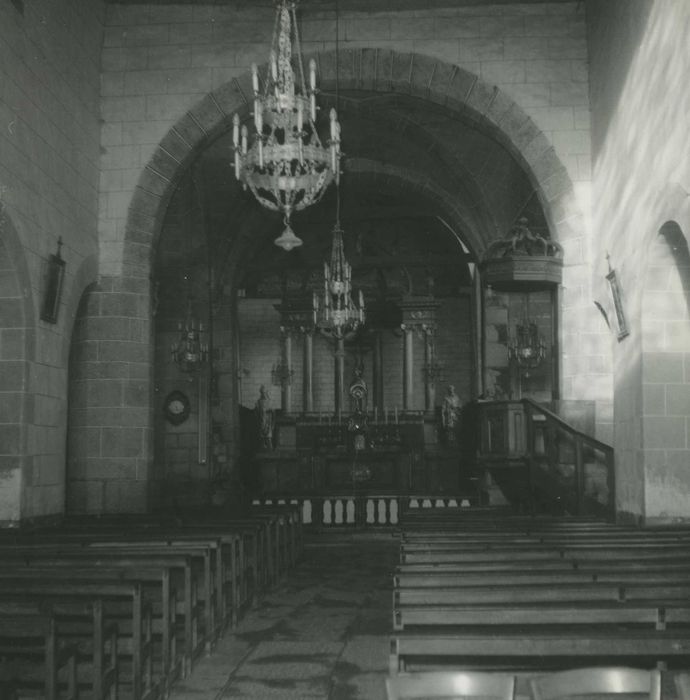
{"x":665,"y":374}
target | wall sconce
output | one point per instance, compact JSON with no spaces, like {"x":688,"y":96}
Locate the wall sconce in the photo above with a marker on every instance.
{"x":617,"y":301}
{"x":281,"y":374}
{"x":54,"y":276}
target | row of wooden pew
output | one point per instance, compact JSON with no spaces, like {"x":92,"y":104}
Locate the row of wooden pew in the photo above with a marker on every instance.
{"x":123,"y":606}
{"x":490,"y":592}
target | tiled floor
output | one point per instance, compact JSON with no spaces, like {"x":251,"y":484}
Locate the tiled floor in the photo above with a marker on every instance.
{"x":322,"y":633}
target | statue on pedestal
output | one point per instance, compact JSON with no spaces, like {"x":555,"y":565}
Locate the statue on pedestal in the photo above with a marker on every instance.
{"x":264,"y":415}
{"x":450,"y":414}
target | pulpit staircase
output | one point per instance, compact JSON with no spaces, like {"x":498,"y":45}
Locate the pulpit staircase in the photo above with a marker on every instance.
{"x":537,"y":462}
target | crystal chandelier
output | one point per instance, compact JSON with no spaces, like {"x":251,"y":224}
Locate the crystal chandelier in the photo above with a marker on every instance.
{"x":337,"y":314}
{"x":286,"y":167}
{"x":189,"y":352}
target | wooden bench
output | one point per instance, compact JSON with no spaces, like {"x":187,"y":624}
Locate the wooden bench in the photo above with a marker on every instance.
{"x":58,"y":592}
{"x":504,"y":649}
{"x":205,"y":552}
{"x":100,"y":650}
{"x":33,"y":660}
{"x":648,"y":614}
{"x":164,"y":573}
{"x":461,"y":554}
{"x":520,"y":593}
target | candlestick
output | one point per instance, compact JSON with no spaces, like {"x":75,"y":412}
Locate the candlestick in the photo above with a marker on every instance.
{"x":312,"y":74}
{"x":236,"y":130}
{"x":255,"y":78}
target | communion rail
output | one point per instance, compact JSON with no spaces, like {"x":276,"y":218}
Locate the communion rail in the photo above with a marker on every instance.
{"x":361,"y":510}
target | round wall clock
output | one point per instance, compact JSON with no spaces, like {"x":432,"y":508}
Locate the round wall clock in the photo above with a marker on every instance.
{"x":176,"y":407}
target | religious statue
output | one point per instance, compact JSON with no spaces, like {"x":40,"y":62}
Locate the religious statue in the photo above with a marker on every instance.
{"x":450,"y":413}
{"x":358,"y":391}
{"x":264,"y":414}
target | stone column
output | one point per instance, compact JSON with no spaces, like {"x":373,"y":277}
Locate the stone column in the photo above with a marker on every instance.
{"x":308,"y":370}
{"x":339,"y":378}
{"x":418,"y":315}
{"x":408,"y":367}
{"x":286,"y":386}
{"x":429,"y":373}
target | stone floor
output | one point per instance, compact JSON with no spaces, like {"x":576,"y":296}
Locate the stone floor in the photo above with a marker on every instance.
{"x":322,"y":633}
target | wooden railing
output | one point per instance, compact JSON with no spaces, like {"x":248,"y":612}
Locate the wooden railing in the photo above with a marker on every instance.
{"x":533,"y":452}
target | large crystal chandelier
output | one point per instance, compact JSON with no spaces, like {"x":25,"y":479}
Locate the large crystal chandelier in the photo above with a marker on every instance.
{"x":337,"y":314}
{"x":286,"y":167}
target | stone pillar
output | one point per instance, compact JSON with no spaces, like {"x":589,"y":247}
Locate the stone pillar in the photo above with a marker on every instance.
{"x":408,"y":367}
{"x":339,"y":377}
{"x":297,"y":314}
{"x":308,"y":370}
{"x":286,"y":385}
{"x":429,"y":369}
{"x":418,"y":316}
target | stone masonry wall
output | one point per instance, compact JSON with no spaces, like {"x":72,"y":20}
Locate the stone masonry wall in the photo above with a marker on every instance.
{"x":49,"y":174}
{"x":639,"y":68}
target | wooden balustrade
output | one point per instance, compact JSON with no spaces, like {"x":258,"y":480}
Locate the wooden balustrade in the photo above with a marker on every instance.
{"x":539,"y":456}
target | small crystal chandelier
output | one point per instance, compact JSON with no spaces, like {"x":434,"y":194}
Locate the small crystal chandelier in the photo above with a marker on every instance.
{"x":337,"y":314}
{"x":189,"y":352}
{"x":286,"y":167}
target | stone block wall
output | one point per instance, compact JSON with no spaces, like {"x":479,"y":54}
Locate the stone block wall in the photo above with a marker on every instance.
{"x":641,"y":177}
{"x":49,"y":177}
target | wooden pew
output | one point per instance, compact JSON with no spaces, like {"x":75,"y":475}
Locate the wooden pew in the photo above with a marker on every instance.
{"x":517,"y":593}
{"x":163,"y":573}
{"x":647,"y":614}
{"x":32,"y":659}
{"x":204,"y":551}
{"x":461,"y":554}
{"x":56,"y":592}
{"x":158,"y":594}
{"x":103,"y":662}
{"x":538,"y":649}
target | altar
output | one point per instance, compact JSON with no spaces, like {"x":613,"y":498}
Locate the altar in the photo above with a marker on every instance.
{"x":318,"y":455}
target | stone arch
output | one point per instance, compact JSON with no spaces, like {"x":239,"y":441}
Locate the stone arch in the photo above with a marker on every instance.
{"x":128,"y":294}
{"x":379,"y":70}
{"x":17,"y":345}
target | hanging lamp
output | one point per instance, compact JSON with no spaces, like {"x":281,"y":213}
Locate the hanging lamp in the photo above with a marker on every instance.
{"x":286,"y":166}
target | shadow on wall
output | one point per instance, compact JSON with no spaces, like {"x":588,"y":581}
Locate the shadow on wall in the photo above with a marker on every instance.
{"x":678,"y":245}
{"x":610,"y":61}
